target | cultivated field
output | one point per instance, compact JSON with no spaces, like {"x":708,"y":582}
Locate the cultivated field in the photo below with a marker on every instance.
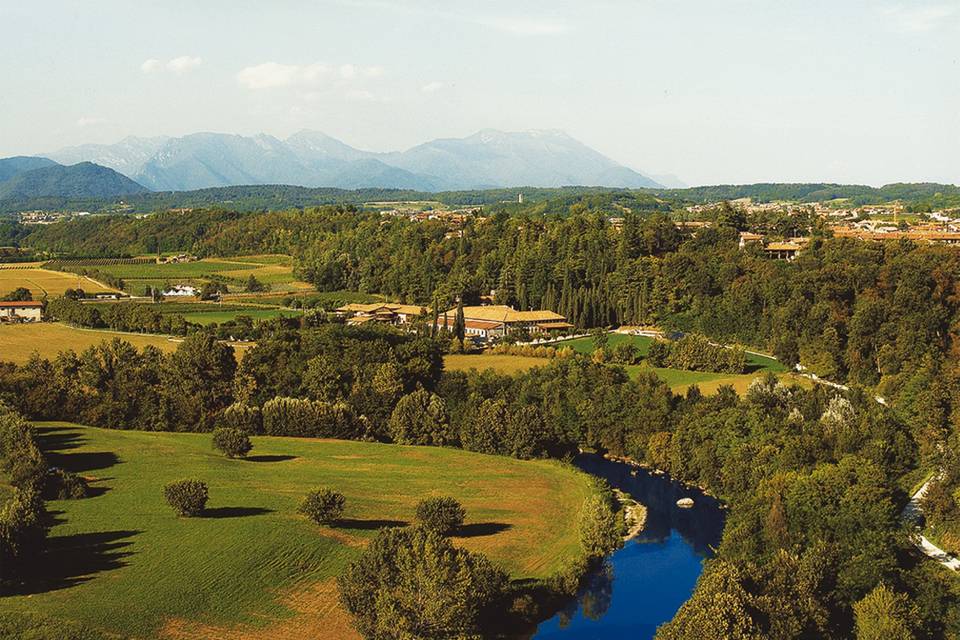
{"x":274,"y":271}
{"x":19,"y":341}
{"x":500,"y":363}
{"x":253,"y":568}
{"x":43,"y":282}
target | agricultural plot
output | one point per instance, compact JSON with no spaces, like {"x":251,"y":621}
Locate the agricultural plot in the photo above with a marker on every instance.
{"x":214,"y":316}
{"x":254,"y":568}
{"x":19,"y":341}
{"x":44,"y":282}
{"x":276,"y":272}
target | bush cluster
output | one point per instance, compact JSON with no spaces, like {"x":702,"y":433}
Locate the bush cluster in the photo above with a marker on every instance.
{"x":65,"y":485}
{"x":442,"y":515}
{"x":187,"y":497}
{"x":323,"y":505}
{"x":232,"y":443}
{"x":695,"y":352}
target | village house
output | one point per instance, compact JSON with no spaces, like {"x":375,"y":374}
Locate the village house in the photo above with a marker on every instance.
{"x":782,"y":250}
{"x":384,"y":312}
{"x":494,"y":321}
{"x":28,"y":311}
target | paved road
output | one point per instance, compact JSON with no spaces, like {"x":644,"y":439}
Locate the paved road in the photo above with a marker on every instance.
{"x":912,"y":513}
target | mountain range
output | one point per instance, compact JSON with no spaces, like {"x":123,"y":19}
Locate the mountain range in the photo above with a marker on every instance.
{"x":487,"y":159}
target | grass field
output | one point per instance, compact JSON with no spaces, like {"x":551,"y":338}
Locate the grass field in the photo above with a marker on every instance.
{"x":209,"y":317}
{"x":678,"y":380}
{"x":43,"y":282}
{"x":19,"y":341}
{"x":275,"y":271}
{"x":121,"y":561}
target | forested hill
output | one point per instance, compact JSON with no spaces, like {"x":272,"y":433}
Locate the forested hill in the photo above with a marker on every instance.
{"x":919,"y":196}
{"x":84,"y":180}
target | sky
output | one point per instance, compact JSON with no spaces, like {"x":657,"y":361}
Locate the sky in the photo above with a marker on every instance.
{"x":712,"y":91}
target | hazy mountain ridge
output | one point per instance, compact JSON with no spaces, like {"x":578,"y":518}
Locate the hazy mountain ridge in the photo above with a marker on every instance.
{"x":489,"y":158}
{"x":10,"y":167}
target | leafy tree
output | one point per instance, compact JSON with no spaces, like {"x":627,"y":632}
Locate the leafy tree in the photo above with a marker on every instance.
{"x":254,"y":285}
{"x":323,"y":505}
{"x":420,"y":418}
{"x":413,"y":583}
{"x":20,"y":294}
{"x":884,"y":614}
{"x":186,"y":497}
{"x":442,"y":515}
{"x":601,"y":525}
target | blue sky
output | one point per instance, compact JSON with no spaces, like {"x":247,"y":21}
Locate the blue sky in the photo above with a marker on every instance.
{"x":712,"y":91}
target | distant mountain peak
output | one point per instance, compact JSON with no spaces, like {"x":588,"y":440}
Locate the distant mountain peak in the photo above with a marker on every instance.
{"x":311,"y":158}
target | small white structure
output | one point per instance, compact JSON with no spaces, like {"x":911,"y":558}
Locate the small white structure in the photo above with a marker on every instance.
{"x":181,"y":290}
{"x":29,"y":311}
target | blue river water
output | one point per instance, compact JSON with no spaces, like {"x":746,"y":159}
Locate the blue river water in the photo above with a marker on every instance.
{"x":642,"y":585}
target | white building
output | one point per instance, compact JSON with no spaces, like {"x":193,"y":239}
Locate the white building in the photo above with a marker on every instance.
{"x":181,"y":290}
{"x":29,"y":311}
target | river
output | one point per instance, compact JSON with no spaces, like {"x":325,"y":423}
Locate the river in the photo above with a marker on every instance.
{"x":643,"y":584}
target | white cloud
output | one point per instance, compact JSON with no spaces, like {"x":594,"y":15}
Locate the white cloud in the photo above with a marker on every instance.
{"x":181,"y":64}
{"x":89,"y":121}
{"x":920,"y":19}
{"x":270,"y":75}
{"x":432,"y":87}
{"x":527,"y":26}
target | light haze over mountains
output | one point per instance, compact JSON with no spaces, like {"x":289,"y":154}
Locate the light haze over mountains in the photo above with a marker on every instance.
{"x":489,"y":158}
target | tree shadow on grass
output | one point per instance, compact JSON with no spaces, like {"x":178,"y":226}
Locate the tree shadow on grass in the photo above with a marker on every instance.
{"x":479,"y":529}
{"x":83,"y":461}
{"x":73,"y":559}
{"x":234,"y":512}
{"x":52,"y":439}
{"x":368,"y":525}
{"x":269,"y":458}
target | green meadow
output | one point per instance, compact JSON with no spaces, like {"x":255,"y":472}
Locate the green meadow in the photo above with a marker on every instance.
{"x":121,"y":561}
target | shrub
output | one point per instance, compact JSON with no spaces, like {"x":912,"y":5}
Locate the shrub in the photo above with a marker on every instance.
{"x":64,"y":485}
{"x":441,"y":515}
{"x":414,"y":583}
{"x":323,"y":505}
{"x":232,"y":443}
{"x":187,"y":497}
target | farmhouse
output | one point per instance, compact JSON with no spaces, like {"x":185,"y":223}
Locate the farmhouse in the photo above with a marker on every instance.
{"x":386,"y":312}
{"x":782,"y":250}
{"x":29,"y":311}
{"x":493,"y":320}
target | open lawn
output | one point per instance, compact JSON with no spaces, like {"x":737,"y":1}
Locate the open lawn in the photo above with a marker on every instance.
{"x":19,"y":341}
{"x":121,"y":561}
{"x":678,"y":380}
{"x":755,"y":362}
{"x":43,"y":282}
{"x":276,"y":272}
